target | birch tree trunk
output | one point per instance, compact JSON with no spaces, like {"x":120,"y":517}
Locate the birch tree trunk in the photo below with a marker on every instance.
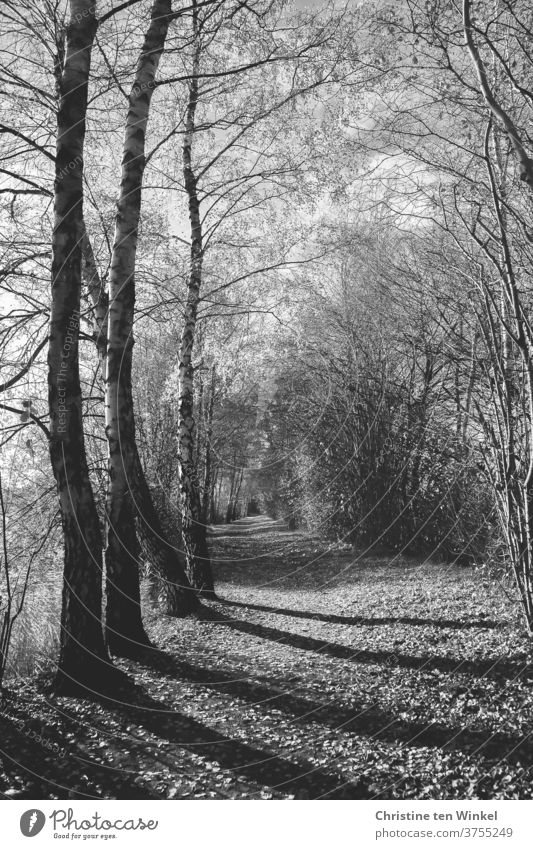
{"x":177,"y":597}
{"x":194,"y":530}
{"x":124,"y":628}
{"x":208,"y":476}
{"x":83,"y":660}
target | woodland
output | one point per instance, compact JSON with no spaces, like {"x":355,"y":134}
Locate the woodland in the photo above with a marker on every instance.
{"x":266,"y":444}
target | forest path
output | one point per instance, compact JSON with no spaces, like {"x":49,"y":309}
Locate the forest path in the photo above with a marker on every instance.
{"x":319,"y":672}
{"x":248,"y":525}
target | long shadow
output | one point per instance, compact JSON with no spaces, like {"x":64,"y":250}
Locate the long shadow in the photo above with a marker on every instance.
{"x":497,"y":669}
{"x":358,"y":718}
{"x":303,"y":779}
{"x":365,"y":620}
{"x":34,"y":771}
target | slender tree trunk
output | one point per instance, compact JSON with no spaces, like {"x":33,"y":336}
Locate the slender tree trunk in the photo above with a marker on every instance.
{"x":469,"y":389}
{"x":208,"y":469}
{"x":199,"y":450}
{"x":166,"y":561}
{"x":194,"y":530}
{"x":238,"y":495}
{"x":218,"y":496}
{"x":230,"y":508}
{"x":99,"y":300}
{"x":124,"y":628}
{"x":83,"y":659}
{"x":459,"y":413}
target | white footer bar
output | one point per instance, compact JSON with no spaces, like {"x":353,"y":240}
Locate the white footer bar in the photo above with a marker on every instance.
{"x":266,"y":824}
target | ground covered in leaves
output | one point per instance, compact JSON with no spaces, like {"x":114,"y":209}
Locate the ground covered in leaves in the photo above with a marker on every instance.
{"x":321,"y":672}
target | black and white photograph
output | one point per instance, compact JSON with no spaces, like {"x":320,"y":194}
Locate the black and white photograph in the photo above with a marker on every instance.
{"x":266,"y":418}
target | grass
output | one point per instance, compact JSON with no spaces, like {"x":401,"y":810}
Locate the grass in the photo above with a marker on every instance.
{"x":319,"y":673}
{"x":35,"y":640}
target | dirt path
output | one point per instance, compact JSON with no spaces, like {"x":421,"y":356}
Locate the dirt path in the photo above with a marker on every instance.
{"x":319,"y":673}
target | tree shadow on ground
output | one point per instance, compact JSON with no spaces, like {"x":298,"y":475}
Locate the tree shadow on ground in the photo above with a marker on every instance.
{"x":302,"y":779}
{"x":499,"y":668}
{"x":365,"y":620}
{"x":366,"y":720}
{"x":34,"y":771}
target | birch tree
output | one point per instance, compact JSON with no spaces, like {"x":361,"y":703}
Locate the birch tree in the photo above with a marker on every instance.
{"x":194,"y":530}
{"x":83,"y":657}
{"x":124,"y":629}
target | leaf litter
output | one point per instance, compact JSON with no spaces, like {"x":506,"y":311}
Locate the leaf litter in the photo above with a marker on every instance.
{"x":318,"y":673}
